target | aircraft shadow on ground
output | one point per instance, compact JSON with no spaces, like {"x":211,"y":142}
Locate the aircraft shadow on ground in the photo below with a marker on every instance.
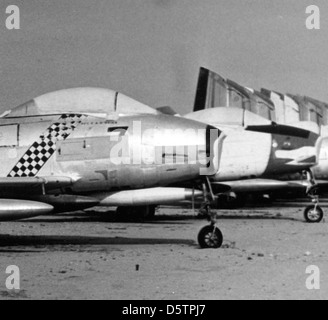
{"x":108,"y":218}
{"x":46,"y":241}
{"x":163,"y":220}
{"x":259,"y":217}
{"x":111,"y":216}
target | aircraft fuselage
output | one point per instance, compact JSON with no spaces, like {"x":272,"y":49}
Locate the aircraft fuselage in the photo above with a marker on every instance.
{"x":130,"y":152}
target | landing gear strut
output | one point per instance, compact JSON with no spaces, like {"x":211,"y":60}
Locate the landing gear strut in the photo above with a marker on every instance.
{"x":313,"y":213}
{"x":210,"y":236}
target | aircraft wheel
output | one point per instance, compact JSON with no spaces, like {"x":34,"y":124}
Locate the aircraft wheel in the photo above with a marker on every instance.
{"x":313,"y":214}
{"x":210,"y":237}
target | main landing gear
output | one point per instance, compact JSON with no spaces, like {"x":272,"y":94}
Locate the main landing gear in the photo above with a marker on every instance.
{"x":313,"y":213}
{"x":210,"y":237}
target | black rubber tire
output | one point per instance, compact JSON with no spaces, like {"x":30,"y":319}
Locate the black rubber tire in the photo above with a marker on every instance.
{"x":208,"y":238}
{"x":313,"y":218}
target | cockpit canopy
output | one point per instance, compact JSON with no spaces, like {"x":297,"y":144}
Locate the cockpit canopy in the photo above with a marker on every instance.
{"x":81,"y":100}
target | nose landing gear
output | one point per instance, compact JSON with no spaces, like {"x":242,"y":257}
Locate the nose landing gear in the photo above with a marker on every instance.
{"x":210,"y":237}
{"x":313,"y":213}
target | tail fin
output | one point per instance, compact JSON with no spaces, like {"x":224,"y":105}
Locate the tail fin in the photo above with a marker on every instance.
{"x":201,"y":92}
{"x":214,"y":91}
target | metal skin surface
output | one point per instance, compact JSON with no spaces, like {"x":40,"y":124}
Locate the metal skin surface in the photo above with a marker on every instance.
{"x":85,"y":155}
{"x":250,"y":155}
{"x":160,"y":196}
{"x":105,"y":142}
{"x":17,"y":209}
{"x":271,"y":160}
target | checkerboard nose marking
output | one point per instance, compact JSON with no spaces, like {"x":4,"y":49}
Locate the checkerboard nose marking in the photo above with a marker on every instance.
{"x":42,"y":149}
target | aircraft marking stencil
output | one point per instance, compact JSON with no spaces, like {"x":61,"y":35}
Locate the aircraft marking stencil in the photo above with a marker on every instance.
{"x":42,"y":149}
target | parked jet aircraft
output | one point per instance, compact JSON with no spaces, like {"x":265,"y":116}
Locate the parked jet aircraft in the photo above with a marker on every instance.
{"x":259,"y":159}
{"x":77,"y":148}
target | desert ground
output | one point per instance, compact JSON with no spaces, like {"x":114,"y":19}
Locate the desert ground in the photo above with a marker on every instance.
{"x":92,"y":256}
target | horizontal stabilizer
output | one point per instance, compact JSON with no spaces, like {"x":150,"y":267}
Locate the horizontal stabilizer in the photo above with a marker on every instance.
{"x":280,"y":129}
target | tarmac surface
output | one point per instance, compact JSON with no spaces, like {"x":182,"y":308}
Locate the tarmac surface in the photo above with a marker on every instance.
{"x":265,"y":255}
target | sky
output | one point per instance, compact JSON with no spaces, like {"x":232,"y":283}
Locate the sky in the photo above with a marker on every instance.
{"x":151,"y":50}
